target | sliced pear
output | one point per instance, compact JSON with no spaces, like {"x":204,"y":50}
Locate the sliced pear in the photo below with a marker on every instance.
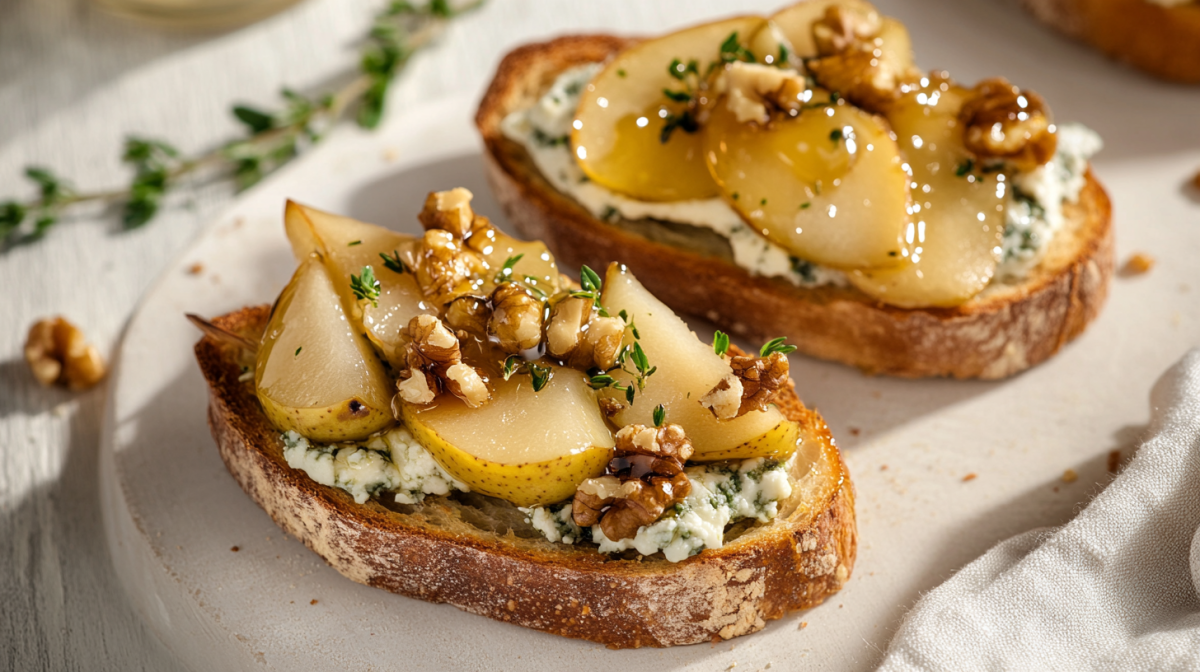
{"x":687,"y":370}
{"x":347,"y":245}
{"x":535,"y":269}
{"x":530,"y":448}
{"x":827,"y":185}
{"x":795,"y":21}
{"x":315,"y":374}
{"x":958,"y":210}
{"x":619,"y":123}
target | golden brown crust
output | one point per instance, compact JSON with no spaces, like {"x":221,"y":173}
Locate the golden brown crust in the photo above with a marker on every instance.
{"x":1001,"y":332}
{"x":1163,"y":41}
{"x":434,"y":553}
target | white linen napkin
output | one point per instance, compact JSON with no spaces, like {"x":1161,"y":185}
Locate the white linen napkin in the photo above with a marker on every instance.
{"x":1114,"y":589}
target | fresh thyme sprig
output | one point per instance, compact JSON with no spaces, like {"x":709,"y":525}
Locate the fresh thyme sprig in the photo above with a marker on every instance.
{"x":695,"y":84}
{"x":720,"y":342}
{"x":600,"y":378}
{"x":505,"y":273}
{"x":592,"y":285}
{"x":365,"y":286}
{"x":776,"y":345}
{"x":539,"y":375}
{"x":272,"y":138}
{"x":393,"y":262}
{"x":660,"y":415}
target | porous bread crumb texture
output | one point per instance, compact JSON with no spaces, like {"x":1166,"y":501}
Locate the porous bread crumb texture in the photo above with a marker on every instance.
{"x":1004,"y":330}
{"x":1163,"y":41}
{"x":434,"y":554}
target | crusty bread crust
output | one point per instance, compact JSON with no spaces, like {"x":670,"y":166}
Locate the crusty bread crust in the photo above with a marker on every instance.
{"x":442,"y":552}
{"x":1163,"y":41}
{"x":1004,"y":330}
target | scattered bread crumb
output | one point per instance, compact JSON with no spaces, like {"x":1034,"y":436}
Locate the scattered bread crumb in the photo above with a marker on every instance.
{"x":1055,"y":488}
{"x":1196,"y":180}
{"x":970,"y":477}
{"x":313,"y":602}
{"x":883,"y":467}
{"x":855,"y":431}
{"x":195,"y":269}
{"x":1069,"y":476}
{"x":1114,"y":461}
{"x":391,"y":154}
{"x":1137,"y":264}
{"x":235,"y":549}
{"x":803,"y":624}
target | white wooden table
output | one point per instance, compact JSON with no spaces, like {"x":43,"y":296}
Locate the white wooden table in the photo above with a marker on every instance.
{"x":73,"y":82}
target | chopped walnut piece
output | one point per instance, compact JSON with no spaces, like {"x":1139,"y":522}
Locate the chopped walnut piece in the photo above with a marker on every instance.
{"x":578,"y":336}
{"x":449,"y":211}
{"x":646,"y":476}
{"x":755,"y":91}
{"x":610,"y":407}
{"x":751,"y":386}
{"x":58,"y":354}
{"x":445,"y":265}
{"x":843,"y":27}
{"x":1000,"y":121}
{"x":469,"y":313}
{"x":435,"y":363}
{"x":516,"y":321}
{"x":861,"y":75}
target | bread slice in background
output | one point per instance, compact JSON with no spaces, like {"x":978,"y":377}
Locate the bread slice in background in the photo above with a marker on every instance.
{"x":1003,"y":330}
{"x":479,"y":554}
{"x":1163,"y":41}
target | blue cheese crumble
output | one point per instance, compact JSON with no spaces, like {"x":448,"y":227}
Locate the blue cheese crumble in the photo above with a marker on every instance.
{"x":1035,"y":207}
{"x":392,"y":461}
{"x":1034,"y":212}
{"x":721,"y":494}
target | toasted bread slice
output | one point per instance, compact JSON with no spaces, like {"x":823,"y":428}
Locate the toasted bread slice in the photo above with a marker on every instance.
{"x":1163,"y":41}
{"x":1005,"y":329}
{"x":479,"y":554}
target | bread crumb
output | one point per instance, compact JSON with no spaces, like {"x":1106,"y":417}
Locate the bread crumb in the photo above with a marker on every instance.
{"x":235,"y":549}
{"x":313,"y":602}
{"x":195,"y":269}
{"x":1196,"y":181}
{"x":970,"y":477}
{"x":883,"y":467}
{"x":1069,"y":476}
{"x":855,"y":431}
{"x":391,"y":154}
{"x":803,"y":625}
{"x":1114,"y":461}
{"x":1137,"y":264}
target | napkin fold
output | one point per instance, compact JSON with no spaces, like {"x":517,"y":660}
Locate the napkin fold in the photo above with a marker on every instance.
{"x":1114,"y":589}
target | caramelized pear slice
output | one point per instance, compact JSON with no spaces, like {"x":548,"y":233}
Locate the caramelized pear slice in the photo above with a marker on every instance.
{"x":958,"y":210}
{"x":530,"y":448}
{"x":347,"y":245}
{"x":795,"y":21}
{"x":828,"y":185}
{"x":619,"y":124}
{"x":687,"y":370}
{"x":535,"y":268}
{"x":314,"y":373}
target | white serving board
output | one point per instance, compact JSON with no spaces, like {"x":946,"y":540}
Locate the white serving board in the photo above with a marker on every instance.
{"x":173,"y":514}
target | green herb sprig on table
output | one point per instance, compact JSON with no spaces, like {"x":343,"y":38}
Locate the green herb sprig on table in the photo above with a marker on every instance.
{"x":272,"y":138}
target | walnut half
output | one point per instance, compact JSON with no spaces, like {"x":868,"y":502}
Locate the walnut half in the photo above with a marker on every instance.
{"x":751,"y":386}
{"x":646,"y":476}
{"x":57,"y":353}
{"x":1000,"y":121}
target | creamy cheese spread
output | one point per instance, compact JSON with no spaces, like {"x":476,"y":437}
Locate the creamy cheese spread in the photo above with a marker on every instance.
{"x":1034,"y":209}
{"x":392,"y":461}
{"x":721,"y":494}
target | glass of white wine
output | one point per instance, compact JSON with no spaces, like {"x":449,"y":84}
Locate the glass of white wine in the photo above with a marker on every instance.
{"x":195,"y":14}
